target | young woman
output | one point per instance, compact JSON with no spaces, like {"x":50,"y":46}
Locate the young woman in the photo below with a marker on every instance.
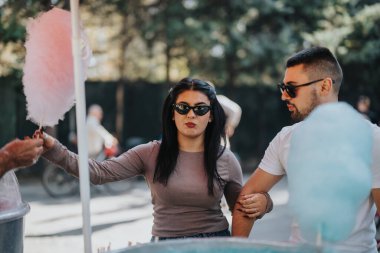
{"x":188,"y":171}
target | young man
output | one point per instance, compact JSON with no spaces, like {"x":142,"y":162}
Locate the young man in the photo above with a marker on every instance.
{"x":312,"y":77}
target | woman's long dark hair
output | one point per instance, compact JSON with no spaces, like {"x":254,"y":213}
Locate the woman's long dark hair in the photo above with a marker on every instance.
{"x":168,"y":154}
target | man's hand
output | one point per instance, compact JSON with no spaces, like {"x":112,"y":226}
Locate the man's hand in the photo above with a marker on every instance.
{"x":254,"y":205}
{"x":20,"y":153}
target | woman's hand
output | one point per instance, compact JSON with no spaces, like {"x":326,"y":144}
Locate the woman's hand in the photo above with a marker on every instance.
{"x":254,"y":205}
{"x":49,"y":141}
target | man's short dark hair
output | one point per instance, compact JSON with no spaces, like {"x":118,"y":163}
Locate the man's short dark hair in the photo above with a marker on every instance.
{"x":318,"y":62}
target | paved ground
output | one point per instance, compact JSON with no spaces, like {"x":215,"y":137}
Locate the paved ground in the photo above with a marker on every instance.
{"x":55,"y":225}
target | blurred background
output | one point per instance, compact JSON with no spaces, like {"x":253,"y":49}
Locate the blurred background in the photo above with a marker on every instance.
{"x":140,"y":48}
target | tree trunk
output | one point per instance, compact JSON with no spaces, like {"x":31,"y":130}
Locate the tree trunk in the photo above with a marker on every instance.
{"x":168,"y":46}
{"x":119,"y":124}
{"x":230,"y":55}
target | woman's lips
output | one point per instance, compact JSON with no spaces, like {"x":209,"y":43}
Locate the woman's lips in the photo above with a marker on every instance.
{"x":190,"y":125}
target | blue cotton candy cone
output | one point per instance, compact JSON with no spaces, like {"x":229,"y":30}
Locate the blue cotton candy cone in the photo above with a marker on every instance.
{"x":329,"y":172}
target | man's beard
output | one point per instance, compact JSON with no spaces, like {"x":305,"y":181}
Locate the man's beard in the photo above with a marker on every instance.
{"x":298,"y":116}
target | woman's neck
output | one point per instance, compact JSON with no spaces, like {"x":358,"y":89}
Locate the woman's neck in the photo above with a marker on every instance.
{"x":191,"y":144}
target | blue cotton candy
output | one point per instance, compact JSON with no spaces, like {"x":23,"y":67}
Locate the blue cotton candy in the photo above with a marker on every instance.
{"x":329,"y":172}
{"x":221,"y":245}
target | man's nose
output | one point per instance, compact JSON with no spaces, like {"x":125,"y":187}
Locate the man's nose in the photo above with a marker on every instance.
{"x":285,"y":96}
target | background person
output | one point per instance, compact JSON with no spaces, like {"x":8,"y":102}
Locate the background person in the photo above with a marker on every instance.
{"x":363,"y":106}
{"x":98,"y":137}
{"x":312,"y":77}
{"x":233,"y":115}
{"x":188,"y":172}
{"x":232,"y":112}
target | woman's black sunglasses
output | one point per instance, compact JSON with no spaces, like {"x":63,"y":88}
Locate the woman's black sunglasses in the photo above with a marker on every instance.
{"x":199,"y":110}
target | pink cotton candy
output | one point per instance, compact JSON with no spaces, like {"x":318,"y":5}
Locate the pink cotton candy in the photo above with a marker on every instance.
{"x":48,"y":72}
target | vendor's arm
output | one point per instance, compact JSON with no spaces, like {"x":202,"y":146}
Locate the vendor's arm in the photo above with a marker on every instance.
{"x":19,"y":154}
{"x":259,"y":182}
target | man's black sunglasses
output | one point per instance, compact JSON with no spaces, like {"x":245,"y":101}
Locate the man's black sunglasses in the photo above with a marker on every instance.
{"x":199,"y":110}
{"x":291,"y":89}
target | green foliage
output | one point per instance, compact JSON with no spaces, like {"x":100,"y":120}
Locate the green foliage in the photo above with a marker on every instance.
{"x":12,"y":31}
{"x":231,"y":42}
{"x":13,"y":16}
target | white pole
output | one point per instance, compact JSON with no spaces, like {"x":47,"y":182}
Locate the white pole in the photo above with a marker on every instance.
{"x":81,"y":127}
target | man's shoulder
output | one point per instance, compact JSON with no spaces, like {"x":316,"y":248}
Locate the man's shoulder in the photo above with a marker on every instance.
{"x":376,"y":133}
{"x":288,"y":130}
{"x":374,"y":127}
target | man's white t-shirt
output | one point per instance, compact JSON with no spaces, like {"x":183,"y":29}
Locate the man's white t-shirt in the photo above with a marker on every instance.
{"x":362,"y":238}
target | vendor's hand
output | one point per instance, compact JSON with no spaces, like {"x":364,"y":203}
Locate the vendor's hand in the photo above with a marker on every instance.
{"x":20,"y":153}
{"x":253,"y":205}
{"x":48,"y":141}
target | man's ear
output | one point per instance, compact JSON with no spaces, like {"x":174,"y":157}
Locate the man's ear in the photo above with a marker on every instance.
{"x":326,"y":86}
